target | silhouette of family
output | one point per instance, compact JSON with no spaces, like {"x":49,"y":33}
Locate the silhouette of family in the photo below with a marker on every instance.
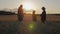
{"x":21,"y":15}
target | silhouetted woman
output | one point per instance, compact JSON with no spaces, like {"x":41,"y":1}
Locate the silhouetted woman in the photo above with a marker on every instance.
{"x":43,"y":15}
{"x":20,"y":13}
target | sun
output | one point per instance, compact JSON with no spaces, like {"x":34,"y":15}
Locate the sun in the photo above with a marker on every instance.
{"x":28,"y":6}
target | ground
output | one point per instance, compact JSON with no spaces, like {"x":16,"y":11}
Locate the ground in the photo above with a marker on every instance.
{"x":28,"y":26}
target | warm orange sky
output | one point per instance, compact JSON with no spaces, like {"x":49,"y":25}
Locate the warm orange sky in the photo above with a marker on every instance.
{"x":52,"y":6}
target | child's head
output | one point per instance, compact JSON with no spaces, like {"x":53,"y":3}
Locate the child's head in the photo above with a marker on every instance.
{"x":33,"y":11}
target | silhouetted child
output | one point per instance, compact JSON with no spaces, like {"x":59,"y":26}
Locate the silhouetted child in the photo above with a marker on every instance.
{"x":20,"y":13}
{"x":43,"y":15}
{"x":34,"y":16}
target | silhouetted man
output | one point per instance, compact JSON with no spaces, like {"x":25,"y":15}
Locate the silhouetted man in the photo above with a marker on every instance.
{"x":20,"y":13}
{"x":43,"y":15}
{"x":34,"y":16}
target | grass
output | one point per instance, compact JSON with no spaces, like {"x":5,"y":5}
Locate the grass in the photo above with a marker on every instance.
{"x":9,"y":27}
{"x":51,"y":27}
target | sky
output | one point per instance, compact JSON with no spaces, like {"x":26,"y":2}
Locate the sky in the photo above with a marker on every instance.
{"x":52,"y":6}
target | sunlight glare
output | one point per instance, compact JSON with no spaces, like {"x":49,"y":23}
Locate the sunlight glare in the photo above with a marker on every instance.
{"x":28,"y":6}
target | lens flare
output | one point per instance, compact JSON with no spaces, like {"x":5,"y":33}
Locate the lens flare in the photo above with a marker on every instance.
{"x":31,"y":26}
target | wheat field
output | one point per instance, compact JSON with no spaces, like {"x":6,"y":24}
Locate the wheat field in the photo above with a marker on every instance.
{"x":15,"y":17}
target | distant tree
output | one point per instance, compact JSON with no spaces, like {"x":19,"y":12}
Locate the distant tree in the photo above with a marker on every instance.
{"x":6,"y":13}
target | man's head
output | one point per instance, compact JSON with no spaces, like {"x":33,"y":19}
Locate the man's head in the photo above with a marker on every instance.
{"x":43,"y":8}
{"x":21,"y":5}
